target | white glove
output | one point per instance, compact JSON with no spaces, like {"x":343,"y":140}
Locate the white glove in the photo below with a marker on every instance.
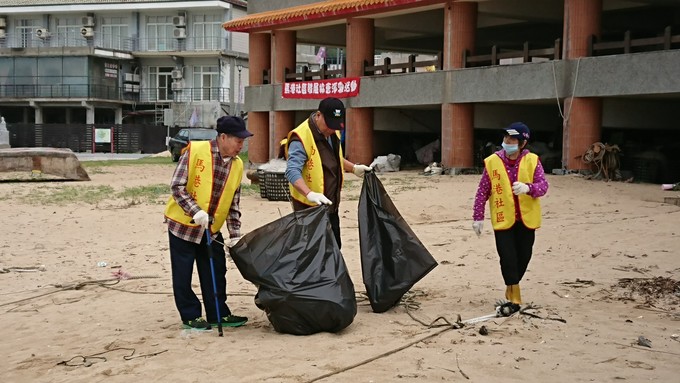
{"x":520,"y":188}
{"x":233,"y":242}
{"x":359,"y":170}
{"x":201,"y":218}
{"x":477,"y":227}
{"x":318,"y":198}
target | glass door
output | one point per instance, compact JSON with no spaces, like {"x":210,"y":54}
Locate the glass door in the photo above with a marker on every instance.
{"x":161,"y":81}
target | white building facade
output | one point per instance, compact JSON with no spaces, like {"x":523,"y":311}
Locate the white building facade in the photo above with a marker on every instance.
{"x":113,"y":62}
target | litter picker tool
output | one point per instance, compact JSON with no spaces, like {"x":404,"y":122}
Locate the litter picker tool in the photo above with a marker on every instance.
{"x":214,"y":281}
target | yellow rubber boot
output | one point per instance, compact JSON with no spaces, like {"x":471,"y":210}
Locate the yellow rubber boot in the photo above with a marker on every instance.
{"x":508,"y":293}
{"x":515,"y":295}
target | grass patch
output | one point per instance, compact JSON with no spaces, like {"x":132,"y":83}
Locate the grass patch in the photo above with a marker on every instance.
{"x":140,"y":161}
{"x":94,"y":166}
{"x":64,"y":195}
{"x":93,"y":195}
{"x":149,"y":193}
{"x":250,"y":189}
{"x":96,"y":170}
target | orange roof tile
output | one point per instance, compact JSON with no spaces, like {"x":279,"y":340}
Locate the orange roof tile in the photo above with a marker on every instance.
{"x":324,"y":10}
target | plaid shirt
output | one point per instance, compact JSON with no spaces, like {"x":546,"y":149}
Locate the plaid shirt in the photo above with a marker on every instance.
{"x":221,"y":169}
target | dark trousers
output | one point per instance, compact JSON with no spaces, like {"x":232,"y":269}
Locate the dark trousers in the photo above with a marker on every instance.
{"x":335,"y":225}
{"x":514,"y":248}
{"x":182,"y":256}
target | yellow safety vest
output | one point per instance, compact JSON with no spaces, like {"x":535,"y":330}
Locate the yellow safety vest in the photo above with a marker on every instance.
{"x":502,"y":203}
{"x":200,"y":186}
{"x":312,"y":171}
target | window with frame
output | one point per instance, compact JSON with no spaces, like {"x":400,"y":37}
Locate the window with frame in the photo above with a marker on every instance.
{"x":159,"y":35}
{"x":68,"y":32}
{"x":160,"y":83}
{"x":25,"y":31}
{"x":206,"y":83}
{"x":114,"y":34}
{"x":207,"y":32}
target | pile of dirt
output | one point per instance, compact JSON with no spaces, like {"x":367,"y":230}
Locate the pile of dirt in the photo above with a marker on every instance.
{"x":651,"y":290}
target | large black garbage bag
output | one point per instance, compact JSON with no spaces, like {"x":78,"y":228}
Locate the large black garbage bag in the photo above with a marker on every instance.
{"x":392,"y":258}
{"x":304,"y":286}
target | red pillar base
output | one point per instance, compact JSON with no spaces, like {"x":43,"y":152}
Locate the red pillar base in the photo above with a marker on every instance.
{"x":457,"y":135}
{"x":283,"y":123}
{"x":582,"y":130}
{"x":258,"y":144}
{"x":359,"y":135}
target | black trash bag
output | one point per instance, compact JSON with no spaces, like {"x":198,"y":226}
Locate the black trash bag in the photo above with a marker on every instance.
{"x":304,"y":286}
{"x":392,"y":258}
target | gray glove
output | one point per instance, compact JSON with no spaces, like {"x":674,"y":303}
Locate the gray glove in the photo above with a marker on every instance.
{"x":520,"y":188}
{"x":359,"y":170}
{"x":233,"y":241}
{"x":477,"y":226}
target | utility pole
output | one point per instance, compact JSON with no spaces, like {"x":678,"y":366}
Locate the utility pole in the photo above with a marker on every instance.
{"x":238,"y":101}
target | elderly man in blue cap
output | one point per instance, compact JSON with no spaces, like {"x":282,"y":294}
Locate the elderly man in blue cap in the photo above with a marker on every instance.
{"x":206,"y":191}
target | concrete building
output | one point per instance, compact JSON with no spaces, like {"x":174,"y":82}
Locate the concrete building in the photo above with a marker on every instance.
{"x":145,"y":62}
{"x":576,"y":71}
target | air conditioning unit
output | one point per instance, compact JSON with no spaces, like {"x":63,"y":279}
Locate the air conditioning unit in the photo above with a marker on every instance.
{"x":131,"y":77}
{"x":42,"y":33}
{"x":88,"y":21}
{"x":177,"y":86}
{"x":180,"y":33}
{"x":179,"y":21}
{"x":127,"y":87}
{"x":2,"y":34}
{"x":176,"y":74}
{"x":87,"y":31}
{"x":3,"y":22}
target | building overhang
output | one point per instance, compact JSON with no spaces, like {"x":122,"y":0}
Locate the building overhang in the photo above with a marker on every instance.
{"x":320,"y":13}
{"x":32,"y":6}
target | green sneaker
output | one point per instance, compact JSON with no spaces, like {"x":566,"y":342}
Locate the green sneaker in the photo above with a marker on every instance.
{"x":232,"y":321}
{"x":196,"y":324}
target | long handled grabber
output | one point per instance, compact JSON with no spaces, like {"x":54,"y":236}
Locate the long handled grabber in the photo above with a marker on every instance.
{"x":214,"y":281}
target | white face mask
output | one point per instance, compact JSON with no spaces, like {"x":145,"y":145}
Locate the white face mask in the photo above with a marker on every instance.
{"x":510,"y":149}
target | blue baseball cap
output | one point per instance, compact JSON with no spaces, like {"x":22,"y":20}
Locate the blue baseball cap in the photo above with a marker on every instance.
{"x":232,"y":125}
{"x":517,"y":130}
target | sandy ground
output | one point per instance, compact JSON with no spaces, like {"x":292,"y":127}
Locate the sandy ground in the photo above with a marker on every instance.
{"x":594,"y":236}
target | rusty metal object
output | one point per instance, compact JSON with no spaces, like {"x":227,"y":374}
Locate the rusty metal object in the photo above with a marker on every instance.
{"x":54,"y":161}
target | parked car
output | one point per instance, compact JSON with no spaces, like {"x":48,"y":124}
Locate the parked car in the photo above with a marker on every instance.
{"x":182,"y":138}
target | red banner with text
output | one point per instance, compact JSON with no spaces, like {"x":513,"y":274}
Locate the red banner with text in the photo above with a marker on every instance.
{"x":338,"y":88}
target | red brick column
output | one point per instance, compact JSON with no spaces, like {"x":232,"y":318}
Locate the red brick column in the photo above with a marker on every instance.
{"x":583,"y":125}
{"x":583,"y":129}
{"x":359,"y":135}
{"x":284,"y":57}
{"x":258,"y":122}
{"x":460,"y":24}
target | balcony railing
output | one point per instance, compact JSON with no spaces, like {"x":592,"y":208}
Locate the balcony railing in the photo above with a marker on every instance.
{"x":525,"y":55}
{"x":116,"y":42}
{"x":60,"y":91}
{"x":104,"y":92}
{"x":410,"y":66}
{"x":153,"y":95}
{"x":630,"y":45}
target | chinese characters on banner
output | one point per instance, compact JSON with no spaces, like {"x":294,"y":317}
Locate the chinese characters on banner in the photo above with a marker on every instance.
{"x":338,"y":88}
